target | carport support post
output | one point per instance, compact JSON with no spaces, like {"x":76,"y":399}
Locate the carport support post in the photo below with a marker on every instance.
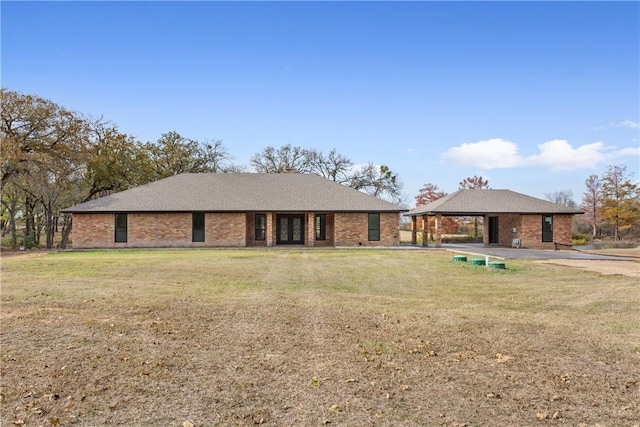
{"x":425,"y":230}
{"x":414,"y":232}
{"x":438,"y":230}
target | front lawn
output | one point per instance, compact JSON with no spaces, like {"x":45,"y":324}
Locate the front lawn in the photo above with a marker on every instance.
{"x":313,"y":337}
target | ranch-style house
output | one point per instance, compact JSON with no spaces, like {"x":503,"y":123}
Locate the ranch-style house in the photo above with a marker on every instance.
{"x":236,"y":210}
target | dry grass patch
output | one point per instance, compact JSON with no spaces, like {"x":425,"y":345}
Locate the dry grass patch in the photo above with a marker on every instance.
{"x":311,"y":337}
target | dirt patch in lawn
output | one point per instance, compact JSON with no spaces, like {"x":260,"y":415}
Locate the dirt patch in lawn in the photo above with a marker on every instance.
{"x":625,"y":268}
{"x":627,"y":265}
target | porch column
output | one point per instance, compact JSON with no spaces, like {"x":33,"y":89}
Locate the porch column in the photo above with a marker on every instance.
{"x":485,"y":230}
{"x":438,"y":230}
{"x":414,"y":232}
{"x":425,"y":230}
{"x":310,"y":229}
{"x":269,"y":230}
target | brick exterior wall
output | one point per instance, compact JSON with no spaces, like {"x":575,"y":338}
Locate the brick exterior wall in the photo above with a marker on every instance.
{"x":531,"y":231}
{"x":156,"y":230}
{"x":225,"y":229}
{"x":149,"y":230}
{"x":93,"y":231}
{"x":506,"y":224}
{"x":351,"y":229}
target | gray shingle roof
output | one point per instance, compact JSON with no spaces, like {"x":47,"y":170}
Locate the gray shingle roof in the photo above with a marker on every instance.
{"x":240,"y":192}
{"x":480,"y":202}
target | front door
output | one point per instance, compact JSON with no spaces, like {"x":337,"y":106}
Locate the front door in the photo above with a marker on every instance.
{"x":494,"y":236}
{"x":290,"y":230}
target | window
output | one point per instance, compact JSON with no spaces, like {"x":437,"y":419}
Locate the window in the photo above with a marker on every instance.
{"x":121,"y":228}
{"x":547,"y":228}
{"x":261,"y":226}
{"x":197,"y":227}
{"x":321,"y":227}
{"x":374,"y":226}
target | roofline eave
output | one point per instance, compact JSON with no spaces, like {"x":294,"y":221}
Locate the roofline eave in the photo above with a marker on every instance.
{"x":434,"y":213}
{"x":113,"y":211}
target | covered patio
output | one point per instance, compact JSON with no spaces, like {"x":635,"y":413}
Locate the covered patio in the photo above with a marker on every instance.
{"x":510,"y":219}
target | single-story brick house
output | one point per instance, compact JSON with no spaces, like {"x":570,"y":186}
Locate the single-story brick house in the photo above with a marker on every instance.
{"x":236,"y":210}
{"x":510,"y":218}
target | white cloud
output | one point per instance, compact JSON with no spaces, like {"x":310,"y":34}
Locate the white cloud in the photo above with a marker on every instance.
{"x":624,"y":153}
{"x":627,"y":124}
{"x":490,"y":154}
{"x":631,"y":124}
{"x":558,"y":155}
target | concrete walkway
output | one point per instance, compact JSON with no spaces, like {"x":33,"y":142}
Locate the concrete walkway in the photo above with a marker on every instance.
{"x":502,"y":252}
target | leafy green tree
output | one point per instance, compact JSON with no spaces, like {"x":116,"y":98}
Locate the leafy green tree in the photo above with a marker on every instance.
{"x":116,"y":162}
{"x":32,"y":126}
{"x":44,"y":144}
{"x":52,"y":158}
{"x":174,"y":154}
{"x":621,"y":200}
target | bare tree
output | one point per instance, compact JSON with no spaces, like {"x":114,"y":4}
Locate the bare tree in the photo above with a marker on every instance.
{"x":562,"y":197}
{"x":284,"y":159}
{"x":333,"y":166}
{"x":592,"y":203}
{"x":378,"y":181}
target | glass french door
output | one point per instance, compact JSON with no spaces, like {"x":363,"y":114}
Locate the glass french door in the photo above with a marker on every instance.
{"x":290,"y":229}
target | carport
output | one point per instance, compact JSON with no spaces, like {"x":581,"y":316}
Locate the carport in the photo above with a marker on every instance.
{"x":510,"y":219}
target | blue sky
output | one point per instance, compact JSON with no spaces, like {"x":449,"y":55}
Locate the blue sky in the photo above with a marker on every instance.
{"x":534,"y":96}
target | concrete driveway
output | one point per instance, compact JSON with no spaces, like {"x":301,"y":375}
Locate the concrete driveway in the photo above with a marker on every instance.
{"x":513,"y":253}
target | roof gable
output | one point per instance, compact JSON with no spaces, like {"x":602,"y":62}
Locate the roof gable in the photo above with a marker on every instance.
{"x":238,"y":192}
{"x":480,"y":202}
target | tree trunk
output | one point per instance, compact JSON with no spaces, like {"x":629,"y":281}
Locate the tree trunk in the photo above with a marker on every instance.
{"x":12,"y":223}
{"x":67,"y":225}
{"x":30,"y":237}
{"x":49,"y":226}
